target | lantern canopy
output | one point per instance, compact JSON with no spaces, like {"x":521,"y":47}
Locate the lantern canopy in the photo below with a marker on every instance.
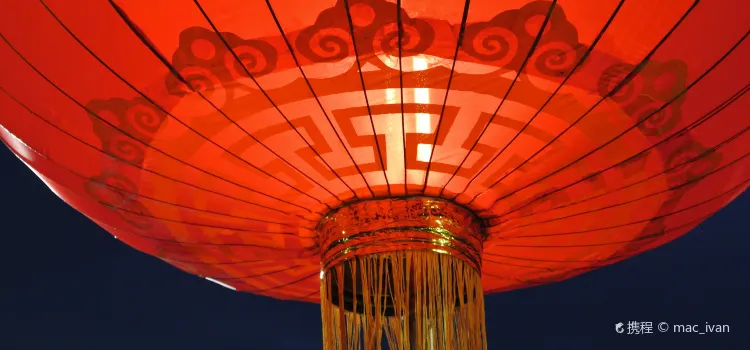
{"x":393,"y":160}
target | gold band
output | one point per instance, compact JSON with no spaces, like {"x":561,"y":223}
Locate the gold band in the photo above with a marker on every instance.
{"x":400,"y":224}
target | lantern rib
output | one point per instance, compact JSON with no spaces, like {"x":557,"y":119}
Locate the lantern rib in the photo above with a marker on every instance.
{"x":677,"y":134}
{"x":178,"y":221}
{"x":134,"y":194}
{"x":207,"y":244}
{"x":671,"y":189}
{"x":542,"y":280}
{"x":549,"y":99}
{"x":691,"y":182}
{"x":399,"y":39}
{"x":315,"y":291}
{"x":146,"y":42}
{"x":315,"y":274}
{"x":617,"y":88}
{"x":601,"y":262}
{"x":152,"y":103}
{"x":129,"y":193}
{"x":145,"y":170}
{"x":196,"y":262}
{"x":127,"y":134}
{"x":694,"y":159}
{"x":232,"y":262}
{"x":188,"y":223}
{"x":315,"y":95}
{"x":721,"y":194}
{"x":676,"y":97}
{"x":260,"y":274}
{"x":540,"y":260}
{"x":275,"y":106}
{"x":459,"y":42}
{"x":532,"y":49}
{"x":505,"y":278}
{"x":485,"y":260}
{"x":364,"y":92}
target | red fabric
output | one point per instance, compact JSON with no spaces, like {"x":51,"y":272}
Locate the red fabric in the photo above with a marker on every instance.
{"x":572,"y":165}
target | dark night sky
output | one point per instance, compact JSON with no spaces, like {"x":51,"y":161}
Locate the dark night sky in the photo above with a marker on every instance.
{"x":67,"y":284}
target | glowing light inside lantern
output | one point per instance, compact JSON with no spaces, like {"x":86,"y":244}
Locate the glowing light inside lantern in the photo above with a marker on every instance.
{"x":422,"y":96}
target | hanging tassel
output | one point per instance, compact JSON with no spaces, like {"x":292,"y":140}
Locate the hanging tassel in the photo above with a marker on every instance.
{"x":404,"y":272}
{"x":414,"y":300}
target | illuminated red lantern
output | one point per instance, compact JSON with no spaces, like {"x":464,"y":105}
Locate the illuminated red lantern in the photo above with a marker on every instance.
{"x":393,"y":160}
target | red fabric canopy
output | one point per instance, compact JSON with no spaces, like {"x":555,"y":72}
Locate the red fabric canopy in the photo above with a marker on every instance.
{"x":216,"y":134}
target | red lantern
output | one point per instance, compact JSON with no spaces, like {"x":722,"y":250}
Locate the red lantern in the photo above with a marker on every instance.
{"x":393,"y":160}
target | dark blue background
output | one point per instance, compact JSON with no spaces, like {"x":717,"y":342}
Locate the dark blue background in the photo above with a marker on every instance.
{"x":67,"y":284}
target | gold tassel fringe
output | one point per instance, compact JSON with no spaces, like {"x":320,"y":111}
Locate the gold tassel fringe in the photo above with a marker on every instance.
{"x":411,"y":300}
